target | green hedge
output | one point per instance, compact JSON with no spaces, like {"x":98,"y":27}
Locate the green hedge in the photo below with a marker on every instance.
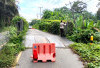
{"x":46,"y":20}
{"x":70,"y":28}
{"x":52,"y":27}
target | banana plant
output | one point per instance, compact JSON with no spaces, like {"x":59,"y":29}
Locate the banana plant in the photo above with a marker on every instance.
{"x":79,"y":22}
{"x":88,"y":23}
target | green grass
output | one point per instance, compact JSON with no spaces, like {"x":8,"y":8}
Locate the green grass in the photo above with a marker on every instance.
{"x":9,"y":52}
{"x":7,"y":55}
{"x":12,"y":48}
{"x":4,"y":29}
{"x":88,"y":53}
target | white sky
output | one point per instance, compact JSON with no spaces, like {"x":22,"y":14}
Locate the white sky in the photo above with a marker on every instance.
{"x":30,"y":8}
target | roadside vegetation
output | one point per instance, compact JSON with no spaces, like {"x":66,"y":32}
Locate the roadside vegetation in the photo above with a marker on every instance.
{"x":14,"y":46}
{"x":89,"y":54}
{"x":9,"y":16}
{"x":4,"y":29}
{"x":81,"y":24}
{"x":8,"y":9}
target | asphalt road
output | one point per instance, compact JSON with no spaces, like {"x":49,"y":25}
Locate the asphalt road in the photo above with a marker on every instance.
{"x":36,"y":36}
{"x":65,"y":58}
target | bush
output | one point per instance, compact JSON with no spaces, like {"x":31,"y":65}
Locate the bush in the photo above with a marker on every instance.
{"x":81,"y":35}
{"x":6,"y":61}
{"x":34,"y":22}
{"x":43,"y":26}
{"x":9,"y":49}
{"x":12,"y":32}
{"x":52,"y":27}
{"x":36,"y":26}
{"x":18,"y":18}
{"x":91,"y":65}
{"x":88,"y":53}
{"x":14,"y":46}
{"x":97,"y":36}
{"x":7,"y":55}
{"x":69,"y":28}
{"x":17,"y":39}
{"x":97,"y":25}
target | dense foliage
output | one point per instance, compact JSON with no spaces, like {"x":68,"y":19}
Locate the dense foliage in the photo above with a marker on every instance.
{"x":17,"y":19}
{"x":97,"y":36}
{"x":82,"y":22}
{"x":65,"y":13}
{"x":34,"y":22}
{"x":14,"y":46}
{"x":57,"y":14}
{"x":69,"y":28}
{"x":8,"y":9}
{"x":81,"y":35}
{"x":98,"y":14}
{"x":78,"y":30}
{"x":49,"y":26}
{"x":88,"y":53}
{"x":78,"y":7}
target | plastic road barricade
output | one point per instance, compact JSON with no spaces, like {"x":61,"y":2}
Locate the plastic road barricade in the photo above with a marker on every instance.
{"x":44,"y":52}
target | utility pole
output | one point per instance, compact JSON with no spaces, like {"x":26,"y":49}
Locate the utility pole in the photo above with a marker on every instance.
{"x":37,"y":16}
{"x":40,"y":13}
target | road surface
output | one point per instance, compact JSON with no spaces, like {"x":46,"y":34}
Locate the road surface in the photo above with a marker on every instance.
{"x":65,"y":58}
{"x":36,"y":36}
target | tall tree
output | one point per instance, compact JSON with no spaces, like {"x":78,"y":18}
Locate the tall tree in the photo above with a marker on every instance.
{"x":47,"y":14}
{"x":58,"y":13}
{"x":79,"y":7}
{"x":8,"y":9}
{"x":98,"y":14}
